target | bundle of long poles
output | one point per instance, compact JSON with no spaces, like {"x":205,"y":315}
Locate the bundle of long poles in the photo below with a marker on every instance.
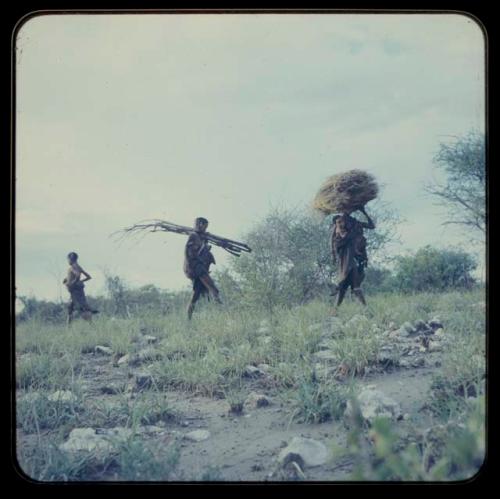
{"x":233,"y":247}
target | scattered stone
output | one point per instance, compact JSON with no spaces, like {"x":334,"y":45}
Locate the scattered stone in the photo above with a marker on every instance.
{"x":404,"y":363}
{"x":100,"y":441}
{"x":257,"y":467}
{"x":392,"y":326}
{"x":123,"y":360}
{"x":253,"y":372}
{"x":435,"y":346}
{"x":422,"y":349}
{"x":439,"y":332}
{"x":374,"y":403}
{"x":406,"y":329}
{"x":62,"y":396}
{"x":257,"y":400}
{"x":146,"y":355}
{"x":305,"y":452}
{"x":420,"y":325}
{"x":185,"y":424}
{"x":143,"y":381}
{"x":197,"y":435}
{"x":406,"y":416}
{"x":435,"y":323}
{"x":387,"y":359}
{"x":150,"y":339}
{"x":418,"y":362}
{"x":225,"y":351}
{"x":103,"y":350}
{"x":264,"y":367}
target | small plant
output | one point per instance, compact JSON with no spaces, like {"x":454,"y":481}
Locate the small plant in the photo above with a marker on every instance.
{"x":450,"y":452}
{"x":317,"y":402}
{"x":235,"y":399}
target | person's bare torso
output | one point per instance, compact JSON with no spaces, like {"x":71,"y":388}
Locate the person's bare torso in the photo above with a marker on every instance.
{"x":74,"y":274}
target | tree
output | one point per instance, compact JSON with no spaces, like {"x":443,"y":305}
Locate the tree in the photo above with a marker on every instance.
{"x":464,"y":191}
{"x":291,"y":259}
{"x":431,"y":269}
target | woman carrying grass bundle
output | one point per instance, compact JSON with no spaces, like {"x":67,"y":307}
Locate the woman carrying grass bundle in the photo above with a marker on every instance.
{"x":349,"y":250}
{"x":75,"y":287}
{"x":346,"y":193}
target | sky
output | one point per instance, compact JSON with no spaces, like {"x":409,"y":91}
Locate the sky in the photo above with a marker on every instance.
{"x":121,"y":118}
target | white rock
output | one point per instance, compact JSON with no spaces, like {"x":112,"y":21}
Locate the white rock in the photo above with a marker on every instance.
{"x":91,"y":440}
{"x":439,"y":332}
{"x":197,"y":435}
{"x":406,"y":329}
{"x":257,"y":400}
{"x":103,"y":350}
{"x":264,"y":367}
{"x":253,"y":372}
{"x":435,"y":323}
{"x":62,"y":396}
{"x":145,"y":355}
{"x":435,"y":346}
{"x":373,"y":403}
{"x":124,"y":359}
{"x":310,"y":452}
{"x":418,"y":362}
{"x":150,"y":339}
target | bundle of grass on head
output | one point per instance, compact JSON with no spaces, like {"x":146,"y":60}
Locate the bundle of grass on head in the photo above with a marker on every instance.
{"x":346,"y":191}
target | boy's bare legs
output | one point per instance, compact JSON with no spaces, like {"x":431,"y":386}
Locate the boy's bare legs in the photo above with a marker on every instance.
{"x":212,"y":288}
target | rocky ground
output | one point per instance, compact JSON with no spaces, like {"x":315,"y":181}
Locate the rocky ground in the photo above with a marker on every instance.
{"x":260,"y":441}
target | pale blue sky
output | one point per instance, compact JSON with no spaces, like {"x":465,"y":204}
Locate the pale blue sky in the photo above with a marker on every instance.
{"x":127,"y":117}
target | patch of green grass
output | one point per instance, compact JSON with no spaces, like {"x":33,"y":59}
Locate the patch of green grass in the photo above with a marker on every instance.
{"x":132,"y":460}
{"x":317,"y":402}
{"x":35,"y":412}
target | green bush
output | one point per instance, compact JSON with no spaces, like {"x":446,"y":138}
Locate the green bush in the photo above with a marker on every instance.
{"x":431,"y":269}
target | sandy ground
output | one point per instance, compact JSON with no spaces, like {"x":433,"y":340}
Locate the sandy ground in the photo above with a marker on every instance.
{"x":245,"y":447}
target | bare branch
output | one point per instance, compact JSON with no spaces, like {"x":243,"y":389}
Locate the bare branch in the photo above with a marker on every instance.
{"x":233,"y":247}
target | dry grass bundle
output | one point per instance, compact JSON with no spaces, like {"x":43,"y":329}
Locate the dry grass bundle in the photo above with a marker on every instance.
{"x":346,"y":191}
